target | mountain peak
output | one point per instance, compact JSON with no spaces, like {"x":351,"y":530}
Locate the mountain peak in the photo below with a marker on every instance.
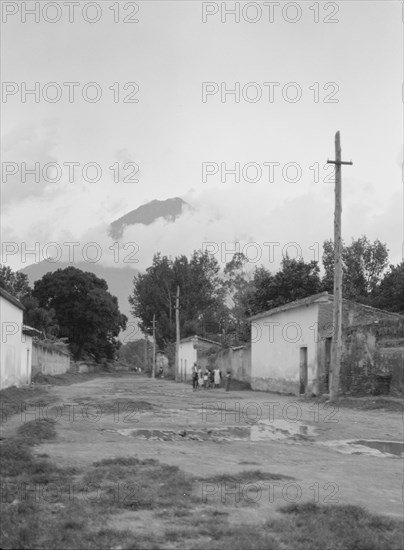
{"x":169,"y":209}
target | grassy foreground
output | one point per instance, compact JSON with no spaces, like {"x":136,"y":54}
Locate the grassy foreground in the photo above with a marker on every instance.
{"x":45,"y":506}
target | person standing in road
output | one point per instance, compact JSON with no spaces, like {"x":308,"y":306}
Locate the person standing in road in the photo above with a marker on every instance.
{"x":228,"y":380}
{"x":205,"y":379}
{"x":217,"y":377}
{"x":195,"y":377}
{"x":211,"y":379}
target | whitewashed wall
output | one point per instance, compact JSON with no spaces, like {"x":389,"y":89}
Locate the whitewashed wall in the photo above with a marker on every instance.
{"x":49,"y":359}
{"x":275,"y":349}
{"x":26,"y":358}
{"x":188,"y":356}
{"x":13,"y":366}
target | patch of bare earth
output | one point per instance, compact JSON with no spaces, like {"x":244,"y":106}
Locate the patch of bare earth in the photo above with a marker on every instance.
{"x":108,"y":475}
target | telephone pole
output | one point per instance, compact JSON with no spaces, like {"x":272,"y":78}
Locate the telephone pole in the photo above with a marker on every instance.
{"x":177,"y":333}
{"x":336,"y":348}
{"x":146,"y":358}
{"x":154,"y":346}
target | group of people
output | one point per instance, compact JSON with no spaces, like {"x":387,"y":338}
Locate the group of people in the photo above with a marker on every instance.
{"x":208,"y":378}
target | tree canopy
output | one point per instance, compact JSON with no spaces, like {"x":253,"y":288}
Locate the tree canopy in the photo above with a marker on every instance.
{"x":221,"y":302}
{"x":389,"y":294}
{"x":296,"y":279}
{"x":87,"y":314}
{"x":363,"y":264}
{"x":240,"y":290}
{"x":16,"y":283}
{"x":201,"y":296}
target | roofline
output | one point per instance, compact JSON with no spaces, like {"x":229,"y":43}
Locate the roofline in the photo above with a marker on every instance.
{"x":317,"y":299}
{"x":12,"y":299}
{"x":190,"y":338}
{"x":391,"y":313}
{"x":31,"y":331}
{"x":314,"y":298}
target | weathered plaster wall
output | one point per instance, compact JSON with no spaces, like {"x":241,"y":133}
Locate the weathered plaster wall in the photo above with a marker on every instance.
{"x":14,"y":345}
{"x":371,"y":350}
{"x":187,"y":357}
{"x":275,"y":350}
{"x":50,"y":358}
{"x":236,"y":360}
{"x":191,"y":352}
{"x":26,"y":357}
{"x":83,"y":367}
{"x":352,"y":314}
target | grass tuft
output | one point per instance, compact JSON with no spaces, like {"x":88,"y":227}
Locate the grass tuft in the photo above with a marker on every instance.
{"x":36,"y":431}
{"x":245,"y":477}
{"x":342,"y":527}
{"x":126,"y":461}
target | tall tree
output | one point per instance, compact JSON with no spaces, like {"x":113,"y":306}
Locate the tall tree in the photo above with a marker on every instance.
{"x":295,"y":280}
{"x":389,"y":294}
{"x":201,"y":295}
{"x":238,"y":282}
{"x":87,"y":314}
{"x":41,"y":318}
{"x":16,"y":283}
{"x":363,"y":264}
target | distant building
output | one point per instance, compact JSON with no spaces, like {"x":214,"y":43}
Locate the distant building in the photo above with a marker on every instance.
{"x":194,"y":350}
{"x":291,"y":344}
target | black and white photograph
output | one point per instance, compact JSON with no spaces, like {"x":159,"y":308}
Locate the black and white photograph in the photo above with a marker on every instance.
{"x":202,"y":275}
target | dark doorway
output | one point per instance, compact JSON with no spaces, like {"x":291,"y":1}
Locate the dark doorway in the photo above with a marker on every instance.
{"x":303,"y":370}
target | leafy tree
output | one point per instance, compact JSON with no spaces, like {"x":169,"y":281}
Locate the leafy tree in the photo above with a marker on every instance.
{"x":238,"y":283}
{"x":201,"y":296}
{"x":87,"y":314}
{"x":295,"y":280}
{"x":16,"y":283}
{"x":363,"y":264}
{"x":389,"y":294}
{"x":39,"y":317}
{"x":262,"y":294}
{"x":154,"y":293}
{"x":133,"y":353}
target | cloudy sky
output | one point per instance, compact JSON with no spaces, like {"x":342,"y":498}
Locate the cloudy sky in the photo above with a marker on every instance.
{"x":150,"y":92}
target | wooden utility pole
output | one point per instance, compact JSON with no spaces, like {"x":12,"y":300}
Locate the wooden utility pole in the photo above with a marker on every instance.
{"x":177,"y":333}
{"x":146,"y":353}
{"x":154,"y":346}
{"x":336,"y":349}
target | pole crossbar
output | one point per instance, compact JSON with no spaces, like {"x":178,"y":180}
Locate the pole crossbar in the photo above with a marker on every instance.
{"x":339,"y":162}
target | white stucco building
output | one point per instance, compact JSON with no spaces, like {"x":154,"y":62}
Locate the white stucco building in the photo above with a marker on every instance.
{"x":283,"y":347}
{"x":291,"y":344}
{"x":16,"y":343}
{"x":192,"y":351}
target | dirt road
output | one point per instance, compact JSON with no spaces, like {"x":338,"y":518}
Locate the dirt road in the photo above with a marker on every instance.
{"x":213,"y":432}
